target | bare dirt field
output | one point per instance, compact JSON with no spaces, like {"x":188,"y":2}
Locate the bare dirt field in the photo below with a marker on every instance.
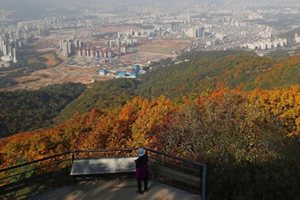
{"x":42,"y":43}
{"x":32,"y":60}
{"x":143,"y":58}
{"x":49,"y":76}
{"x":55,"y":74}
{"x":49,"y":56}
{"x":147,"y":50}
{"x":162,"y":46}
{"x":51,"y":61}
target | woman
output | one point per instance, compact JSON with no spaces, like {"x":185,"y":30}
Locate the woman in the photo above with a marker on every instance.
{"x":141,"y":171}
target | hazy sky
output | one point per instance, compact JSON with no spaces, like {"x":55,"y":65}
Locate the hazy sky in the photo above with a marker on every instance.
{"x":23,"y":4}
{"x":19,"y":4}
{"x":87,"y":2}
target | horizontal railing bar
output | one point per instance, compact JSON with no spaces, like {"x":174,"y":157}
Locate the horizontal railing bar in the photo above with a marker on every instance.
{"x":34,"y":180}
{"x":69,"y":159}
{"x":175,"y":165}
{"x":36,"y":169}
{"x":102,"y":150}
{"x":16,"y":174}
{"x":171,"y":156}
{"x":65,"y":153}
{"x":35,"y":161}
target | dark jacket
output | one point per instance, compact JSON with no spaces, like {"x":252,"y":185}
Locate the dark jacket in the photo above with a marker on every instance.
{"x":141,"y":167}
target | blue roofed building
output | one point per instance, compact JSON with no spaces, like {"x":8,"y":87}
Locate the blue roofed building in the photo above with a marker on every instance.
{"x":135,"y":67}
{"x":122,"y":74}
{"x":133,"y":75}
{"x":102,"y":72}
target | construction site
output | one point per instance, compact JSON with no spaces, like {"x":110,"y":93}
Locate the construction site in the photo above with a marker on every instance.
{"x":98,"y":56}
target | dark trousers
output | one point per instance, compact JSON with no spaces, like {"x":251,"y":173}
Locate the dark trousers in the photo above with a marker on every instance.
{"x":140,"y":184}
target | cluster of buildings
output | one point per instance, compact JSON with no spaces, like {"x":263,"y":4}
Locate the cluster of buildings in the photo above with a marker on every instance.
{"x":254,"y":16}
{"x":195,"y":32}
{"x":98,"y":52}
{"x":68,"y":47}
{"x":266,"y":44}
{"x":266,"y":40}
{"x":136,"y":33}
{"x":131,"y":72}
{"x":128,"y":42}
{"x":8,"y":49}
{"x":108,"y":49}
{"x":211,"y":27}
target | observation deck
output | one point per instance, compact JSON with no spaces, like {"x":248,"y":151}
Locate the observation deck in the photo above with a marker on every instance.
{"x":115,"y":190}
{"x":103,"y":174}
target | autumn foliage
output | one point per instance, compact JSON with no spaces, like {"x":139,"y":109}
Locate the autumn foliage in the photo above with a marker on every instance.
{"x":249,"y":140}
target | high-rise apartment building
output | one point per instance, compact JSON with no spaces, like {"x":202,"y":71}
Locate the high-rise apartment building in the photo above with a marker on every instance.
{"x":65,"y":49}
{"x":297,"y":38}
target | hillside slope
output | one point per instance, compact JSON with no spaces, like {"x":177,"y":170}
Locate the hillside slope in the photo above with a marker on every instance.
{"x":229,"y":69}
{"x":24,"y":110}
{"x":106,"y":94}
{"x":243,"y":71}
{"x":249,"y":140}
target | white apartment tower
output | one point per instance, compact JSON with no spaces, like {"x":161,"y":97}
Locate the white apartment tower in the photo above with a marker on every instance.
{"x":65,"y":49}
{"x":297,"y":38}
{"x":4,"y":49}
{"x":14,"y":50}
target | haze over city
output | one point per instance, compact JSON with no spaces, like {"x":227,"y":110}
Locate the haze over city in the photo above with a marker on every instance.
{"x":99,"y":40}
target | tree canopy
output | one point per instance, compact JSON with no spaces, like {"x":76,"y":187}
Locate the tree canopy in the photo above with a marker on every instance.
{"x":23,"y":110}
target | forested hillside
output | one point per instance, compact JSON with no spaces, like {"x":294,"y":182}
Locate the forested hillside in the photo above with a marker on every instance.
{"x":204,"y":71}
{"x":212,"y":55}
{"x":230,"y":69}
{"x":106,"y":94}
{"x":242,"y":71}
{"x":278,"y":53}
{"x":239,"y":114}
{"x":249,"y":140}
{"x":24,"y":110}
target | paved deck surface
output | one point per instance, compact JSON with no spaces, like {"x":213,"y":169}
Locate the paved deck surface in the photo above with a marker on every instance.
{"x":115,"y":190}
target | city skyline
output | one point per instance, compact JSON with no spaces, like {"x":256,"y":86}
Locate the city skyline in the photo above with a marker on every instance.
{"x":118,"y":36}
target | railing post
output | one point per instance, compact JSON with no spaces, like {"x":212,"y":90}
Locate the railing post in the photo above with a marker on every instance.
{"x":73,"y":157}
{"x":203,"y":182}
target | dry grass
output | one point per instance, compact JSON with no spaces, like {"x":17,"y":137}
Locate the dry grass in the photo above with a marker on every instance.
{"x":49,"y":76}
{"x":51,"y":61}
{"x":32,"y":60}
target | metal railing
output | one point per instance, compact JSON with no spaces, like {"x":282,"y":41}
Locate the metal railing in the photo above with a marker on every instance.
{"x":28,"y":179}
{"x":14,"y":180}
{"x":183,"y":165}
